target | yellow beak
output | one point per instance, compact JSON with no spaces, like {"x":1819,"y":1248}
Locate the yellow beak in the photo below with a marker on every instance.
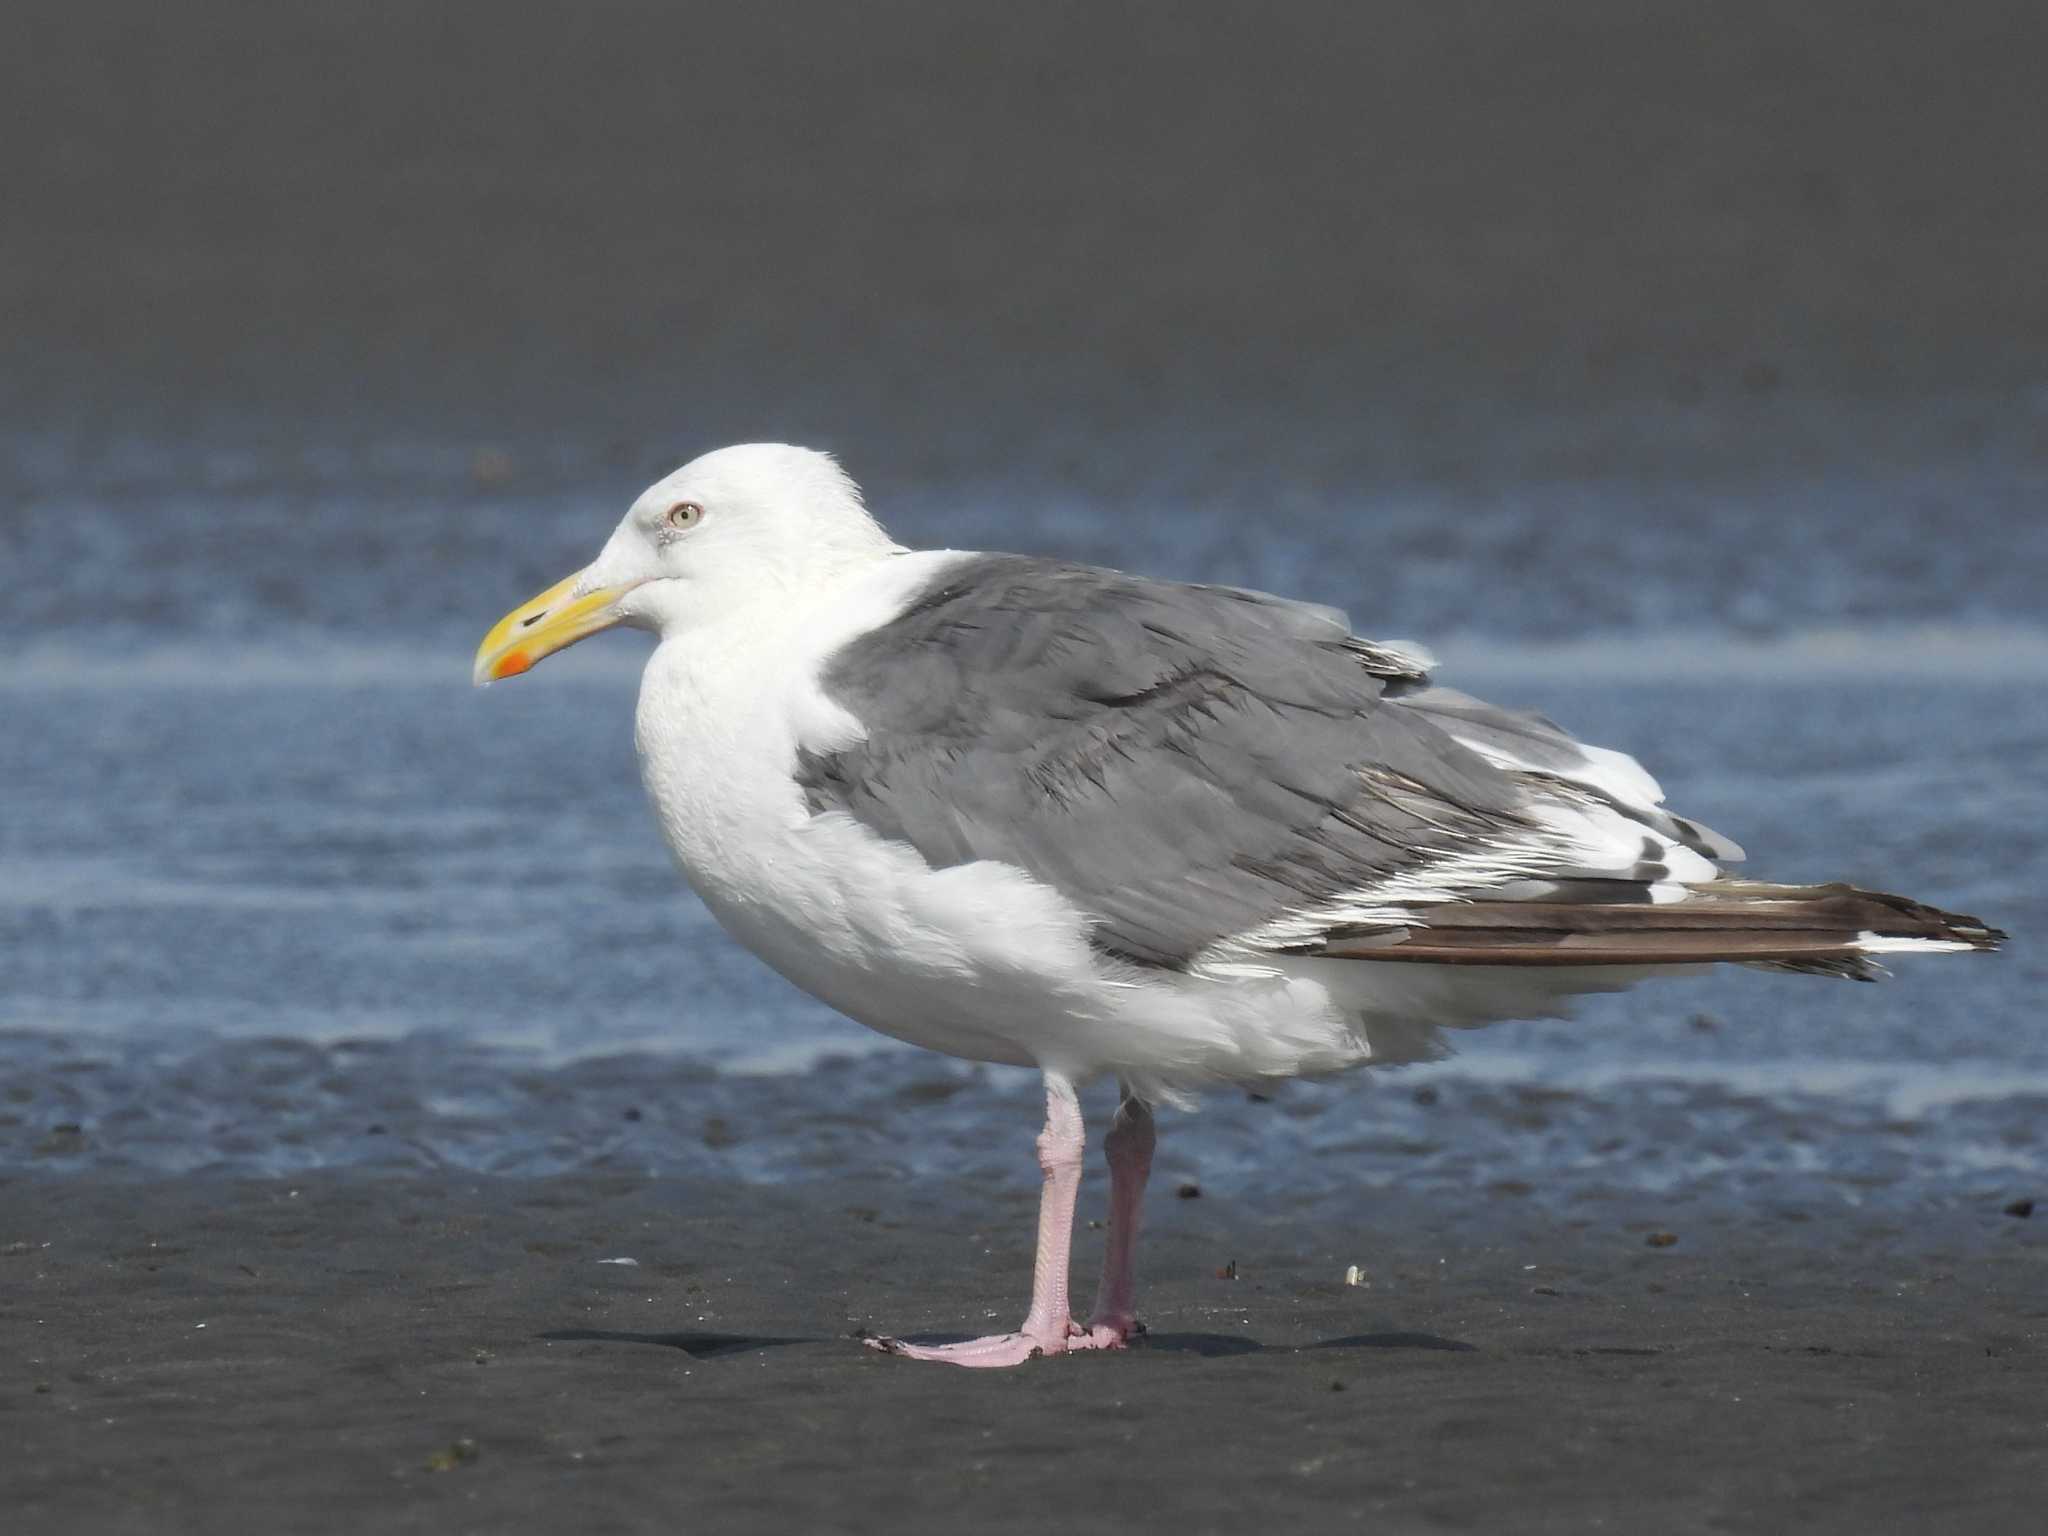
{"x":543,"y":626}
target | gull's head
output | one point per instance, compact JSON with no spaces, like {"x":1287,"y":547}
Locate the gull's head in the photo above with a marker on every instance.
{"x":761,"y":520}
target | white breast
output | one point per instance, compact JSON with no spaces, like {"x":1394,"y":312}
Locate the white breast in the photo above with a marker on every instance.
{"x":978,"y":961}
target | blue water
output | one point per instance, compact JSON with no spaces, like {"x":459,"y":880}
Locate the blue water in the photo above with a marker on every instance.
{"x":278,"y":889}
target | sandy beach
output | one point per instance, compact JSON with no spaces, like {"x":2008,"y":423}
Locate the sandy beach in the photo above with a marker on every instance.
{"x":359,"y":1353}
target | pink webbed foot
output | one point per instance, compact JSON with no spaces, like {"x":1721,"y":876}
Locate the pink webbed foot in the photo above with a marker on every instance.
{"x":1000,"y":1349}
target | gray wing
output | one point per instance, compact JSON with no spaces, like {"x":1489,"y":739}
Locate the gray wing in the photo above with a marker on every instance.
{"x":1195,"y":765}
{"x":1184,"y":763}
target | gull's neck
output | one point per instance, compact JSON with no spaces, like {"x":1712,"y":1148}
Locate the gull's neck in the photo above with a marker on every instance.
{"x":725,"y":705}
{"x":790,"y":594}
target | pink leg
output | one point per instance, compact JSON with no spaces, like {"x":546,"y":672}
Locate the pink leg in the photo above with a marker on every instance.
{"x":1129,"y":1149}
{"x":1049,"y":1328}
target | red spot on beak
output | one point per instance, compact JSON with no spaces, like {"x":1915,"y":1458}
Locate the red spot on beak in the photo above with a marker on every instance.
{"x":512,"y":663}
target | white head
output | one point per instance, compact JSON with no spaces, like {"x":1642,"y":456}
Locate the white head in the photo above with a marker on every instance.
{"x":725,"y":530}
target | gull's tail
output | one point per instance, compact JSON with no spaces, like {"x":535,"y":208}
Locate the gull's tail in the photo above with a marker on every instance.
{"x":1829,"y":930}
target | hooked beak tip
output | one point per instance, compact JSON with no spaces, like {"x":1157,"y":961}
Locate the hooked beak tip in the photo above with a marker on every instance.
{"x":555,"y":619}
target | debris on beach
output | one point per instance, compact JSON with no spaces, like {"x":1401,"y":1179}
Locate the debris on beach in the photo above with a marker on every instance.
{"x":2020,"y":1208}
{"x":633,"y":1262}
{"x":1661,"y":1239}
{"x":1354,"y":1276}
{"x":1189,"y":1192}
{"x":449,"y":1457}
{"x":65,"y":1140}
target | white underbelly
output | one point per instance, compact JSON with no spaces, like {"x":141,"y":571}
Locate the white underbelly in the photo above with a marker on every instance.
{"x":932,"y":1011}
{"x":979,"y":961}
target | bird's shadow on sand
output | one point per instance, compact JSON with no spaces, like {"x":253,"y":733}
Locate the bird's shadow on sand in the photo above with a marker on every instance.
{"x":699,"y":1346}
{"x":1219,"y":1344}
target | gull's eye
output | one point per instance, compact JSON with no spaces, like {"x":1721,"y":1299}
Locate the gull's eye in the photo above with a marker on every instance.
{"x":683,"y":516}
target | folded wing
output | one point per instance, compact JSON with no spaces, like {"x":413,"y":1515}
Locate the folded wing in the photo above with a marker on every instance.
{"x":1213,"y":775}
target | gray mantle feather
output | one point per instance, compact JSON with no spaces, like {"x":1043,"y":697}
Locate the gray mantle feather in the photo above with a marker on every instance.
{"x":1185,"y":763}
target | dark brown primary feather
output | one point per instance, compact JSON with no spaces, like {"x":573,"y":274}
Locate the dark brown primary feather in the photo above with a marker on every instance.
{"x":1784,"y":927}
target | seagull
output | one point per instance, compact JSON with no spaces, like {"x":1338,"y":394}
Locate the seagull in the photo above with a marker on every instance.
{"x":1046,"y":814}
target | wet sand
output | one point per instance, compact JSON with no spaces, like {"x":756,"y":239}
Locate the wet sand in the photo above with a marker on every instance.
{"x":347,"y":1352}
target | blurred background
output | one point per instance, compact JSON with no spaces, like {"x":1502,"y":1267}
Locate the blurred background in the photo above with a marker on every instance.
{"x":1679,"y":370}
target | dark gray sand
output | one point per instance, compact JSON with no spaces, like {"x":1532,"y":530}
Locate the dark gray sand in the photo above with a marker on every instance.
{"x":356,"y":1353}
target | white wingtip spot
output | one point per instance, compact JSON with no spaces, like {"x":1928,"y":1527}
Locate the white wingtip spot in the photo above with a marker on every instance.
{"x":1891,"y":944}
